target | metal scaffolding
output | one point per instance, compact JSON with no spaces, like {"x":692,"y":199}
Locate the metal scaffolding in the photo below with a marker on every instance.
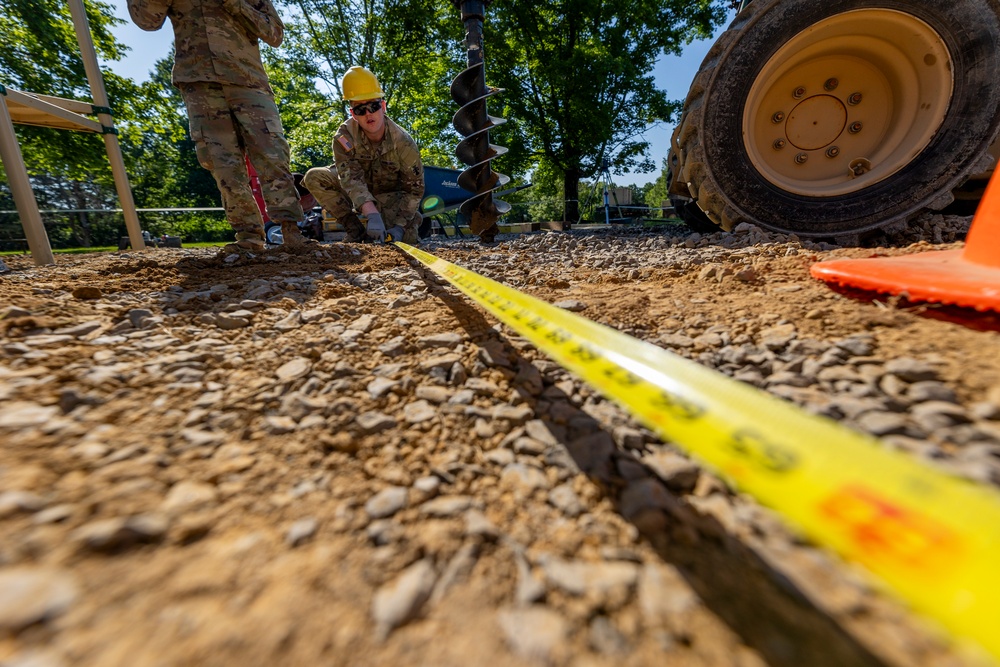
{"x":46,"y":111}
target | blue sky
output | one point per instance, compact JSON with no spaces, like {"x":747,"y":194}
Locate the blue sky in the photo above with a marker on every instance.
{"x":673,"y":74}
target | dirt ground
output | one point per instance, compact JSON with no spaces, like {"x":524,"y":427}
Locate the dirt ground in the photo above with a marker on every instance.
{"x":332,"y":458}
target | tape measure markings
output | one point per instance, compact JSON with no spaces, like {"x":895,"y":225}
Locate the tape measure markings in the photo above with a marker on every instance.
{"x":934,"y":538}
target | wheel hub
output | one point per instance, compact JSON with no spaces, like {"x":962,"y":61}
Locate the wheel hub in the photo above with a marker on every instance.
{"x":816,"y":122}
{"x":869,"y":86}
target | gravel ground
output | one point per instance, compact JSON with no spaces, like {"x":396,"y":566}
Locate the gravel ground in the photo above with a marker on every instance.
{"x":334,"y":458}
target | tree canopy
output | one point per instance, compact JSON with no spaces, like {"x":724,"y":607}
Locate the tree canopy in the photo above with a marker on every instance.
{"x":578,"y":76}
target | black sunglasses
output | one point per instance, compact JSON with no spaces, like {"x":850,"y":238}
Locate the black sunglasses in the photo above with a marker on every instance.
{"x":367,"y":107}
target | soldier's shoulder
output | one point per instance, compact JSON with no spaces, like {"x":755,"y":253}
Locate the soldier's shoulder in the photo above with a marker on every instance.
{"x":402,"y":137}
{"x":346,"y":134}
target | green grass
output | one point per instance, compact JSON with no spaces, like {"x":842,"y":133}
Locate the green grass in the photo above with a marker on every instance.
{"x":109,"y":248}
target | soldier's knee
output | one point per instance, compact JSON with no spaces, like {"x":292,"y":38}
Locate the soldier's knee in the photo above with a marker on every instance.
{"x":318,"y":178}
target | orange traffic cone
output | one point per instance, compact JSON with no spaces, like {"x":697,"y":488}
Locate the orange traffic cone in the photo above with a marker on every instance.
{"x":969,"y":277}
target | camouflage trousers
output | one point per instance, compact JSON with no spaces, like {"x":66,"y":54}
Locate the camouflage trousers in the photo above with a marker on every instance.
{"x":227,"y":122}
{"x":324,"y":185}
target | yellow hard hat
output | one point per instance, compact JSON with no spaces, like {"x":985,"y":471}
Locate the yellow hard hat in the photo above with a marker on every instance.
{"x":359,"y":83}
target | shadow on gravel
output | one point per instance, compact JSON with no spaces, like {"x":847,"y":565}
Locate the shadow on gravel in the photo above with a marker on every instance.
{"x":759,"y":603}
{"x":966,"y":317}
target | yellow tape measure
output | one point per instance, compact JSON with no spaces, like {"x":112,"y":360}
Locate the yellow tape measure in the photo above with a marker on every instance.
{"x":935,"y":539}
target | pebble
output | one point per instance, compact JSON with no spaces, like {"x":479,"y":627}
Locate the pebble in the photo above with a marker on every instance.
{"x":446,"y":506}
{"x":300,"y":531}
{"x":32,"y":594}
{"x":24,"y":414}
{"x":534,"y":633}
{"x":373,"y":422}
{"x":293,"y":369}
{"x":400,"y":600}
{"x":188,"y":495}
{"x":419,"y":412}
{"x":386,"y":502}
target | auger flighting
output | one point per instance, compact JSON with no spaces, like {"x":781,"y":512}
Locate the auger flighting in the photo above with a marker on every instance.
{"x":469,"y":90}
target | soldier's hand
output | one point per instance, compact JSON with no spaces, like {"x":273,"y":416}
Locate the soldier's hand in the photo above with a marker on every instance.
{"x":394,"y":234}
{"x":376,"y":228}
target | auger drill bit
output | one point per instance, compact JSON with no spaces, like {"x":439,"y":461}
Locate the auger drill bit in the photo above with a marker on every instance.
{"x":470,"y":91}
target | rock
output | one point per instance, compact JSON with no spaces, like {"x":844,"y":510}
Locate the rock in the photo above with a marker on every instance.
{"x":419,"y":412}
{"x":565,"y":498}
{"x":379,"y":387}
{"x":373,"y":422}
{"x":523,"y":479}
{"x":529,"y":446}
{"x":293,"y":370}
{"x":449,"y":340}
{"x":777,"y":337}
{"x":12,"y":502}
{"x":515,"y":414}
{"x":434,"y":393}
{"x":911,"y":370}
{"x":678,"y":473}
{"x":572,"y":305}
{"x":533,"y":633}
{"x":230,"y":321}
{"x":300,"y":531}
{"x":604,"y":637}
{"x":24,"y":414}
{"x":32,"y":594}
{"x":609,"y":583}
{"x":477,"y":524}
{"x":493,"y":354}
{"x":386,"y":502}
{"x":400,"y":600}
{"x":110,"y":535}
{"x":883,"y":423}
{"x":188,"y":495}
{"x":87,"y":293}
{"x":446,"y":506}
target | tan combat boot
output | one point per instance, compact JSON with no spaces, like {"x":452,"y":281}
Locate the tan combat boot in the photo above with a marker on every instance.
{"x":246,"y":242}
{"x":291,"y":235}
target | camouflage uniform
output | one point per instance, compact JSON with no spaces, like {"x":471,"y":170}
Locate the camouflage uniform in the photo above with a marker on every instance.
{"x":230,"y":105}
{"x":388,"y":173}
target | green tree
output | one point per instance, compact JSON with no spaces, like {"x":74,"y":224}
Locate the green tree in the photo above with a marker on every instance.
{"x":656,"y":192}
{"x":41,"y":55}
{"x":578,"y":77}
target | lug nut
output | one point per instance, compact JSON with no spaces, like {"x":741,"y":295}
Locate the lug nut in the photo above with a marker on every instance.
{"x":860,"y":166}
{"x":801,"y":158}
{"x":778,"y":144}
{"x":855,"y":127}
{"x":855,"y":98}
{"x":832,"y":151}
{"x":831,"y":84}
{"x":777,"y":117}
{"x":798,"y":92}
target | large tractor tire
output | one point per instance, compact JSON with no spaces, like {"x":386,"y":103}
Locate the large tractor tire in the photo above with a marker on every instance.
{"x":839,"y":118}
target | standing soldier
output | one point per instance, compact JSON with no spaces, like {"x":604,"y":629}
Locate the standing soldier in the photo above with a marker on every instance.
{"x":230,"y":105}
{"x":377,"y":171}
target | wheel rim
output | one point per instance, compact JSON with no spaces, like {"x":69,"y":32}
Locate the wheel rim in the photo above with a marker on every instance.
{"x":847,"y":102}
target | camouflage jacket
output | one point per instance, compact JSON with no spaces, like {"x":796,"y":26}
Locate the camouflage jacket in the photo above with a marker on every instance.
{"x":215,"y":40}
{"x":366,"y":170}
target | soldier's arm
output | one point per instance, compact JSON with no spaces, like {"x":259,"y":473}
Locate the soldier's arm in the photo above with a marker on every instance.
{"x":260,"y":18}
{"x":349,"y":171}
{"x":149,"y":14}
{"x":411,"y":172}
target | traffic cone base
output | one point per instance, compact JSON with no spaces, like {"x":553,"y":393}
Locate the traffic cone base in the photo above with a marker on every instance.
{"x":940,"y":276}
{"x":969,"y":277}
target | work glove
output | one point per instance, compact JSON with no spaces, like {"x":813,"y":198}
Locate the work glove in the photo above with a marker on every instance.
{"x":375,"y":227}
{"x":394,"y":234}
